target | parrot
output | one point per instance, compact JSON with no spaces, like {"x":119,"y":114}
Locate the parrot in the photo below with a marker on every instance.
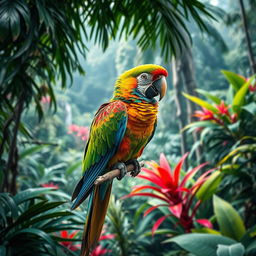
{"x":118,"y":135}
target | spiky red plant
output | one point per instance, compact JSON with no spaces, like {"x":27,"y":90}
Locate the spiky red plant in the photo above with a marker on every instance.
{"x":176,"y":193}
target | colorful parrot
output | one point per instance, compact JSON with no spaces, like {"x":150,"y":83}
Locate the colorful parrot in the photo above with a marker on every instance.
{"x":119,"y":132}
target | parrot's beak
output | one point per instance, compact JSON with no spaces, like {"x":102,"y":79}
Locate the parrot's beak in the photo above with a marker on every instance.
{"x":158,"y":87}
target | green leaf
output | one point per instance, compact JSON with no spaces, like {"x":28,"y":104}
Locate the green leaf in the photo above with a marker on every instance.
{"x":251,"y":108}
{"x":31,"y":151}
{"x":74,"y":167}
{"x":201,"y":103}
{"x":162,"y":232}
{"x":205,"y":230}
{"x":29,"y":194}
{"x":230,"y":250}
{"x":36,"y":232}
{"x":229,"y":221}
{"x":239,"y":98}
{"x":201,"y":244}
{"x":235,"y":80}
{"x":210,"y":186}
{"x":199,"y":124}
{"x":209,"y":96}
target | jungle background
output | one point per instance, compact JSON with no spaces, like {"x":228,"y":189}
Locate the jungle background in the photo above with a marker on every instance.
{"x":59,"y":62}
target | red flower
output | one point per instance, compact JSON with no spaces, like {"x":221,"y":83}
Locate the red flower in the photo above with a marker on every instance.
{"x":204,"y":114}
{"x":173,"y":192}
{"x":99,"y":250}
{"x":252,"y":87}
{"x":50,"y":185}
{"x":223,"y":109}
{"x":69,"y":244}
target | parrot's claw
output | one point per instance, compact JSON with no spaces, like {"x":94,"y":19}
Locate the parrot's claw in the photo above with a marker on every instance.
{"x":123,"y":169}
{"x":136,"y":165}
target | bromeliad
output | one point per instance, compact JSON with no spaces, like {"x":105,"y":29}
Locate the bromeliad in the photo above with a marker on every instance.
{"x":119,"y":132}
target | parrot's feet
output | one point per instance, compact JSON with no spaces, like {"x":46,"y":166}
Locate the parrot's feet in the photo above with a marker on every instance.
{"x":123,"y":169}
{"x":136,"y":165}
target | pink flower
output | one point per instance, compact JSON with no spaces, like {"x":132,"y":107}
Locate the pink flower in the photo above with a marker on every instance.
{"x":69,"y":244}
{"x":80,"y":131}
{"x":46,"y":99}
{"x":73,"y":128}
{"x":83,"y":132}
{"x":50,"y":185}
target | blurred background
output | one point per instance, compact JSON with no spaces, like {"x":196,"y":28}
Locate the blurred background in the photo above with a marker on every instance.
{"x":59,"y":63}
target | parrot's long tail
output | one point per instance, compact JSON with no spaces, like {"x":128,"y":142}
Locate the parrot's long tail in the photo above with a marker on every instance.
{"x":96,"y":216}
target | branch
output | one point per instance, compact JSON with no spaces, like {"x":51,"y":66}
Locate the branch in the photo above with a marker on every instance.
{"x":113,"y":174}
{"x":38,"y":142}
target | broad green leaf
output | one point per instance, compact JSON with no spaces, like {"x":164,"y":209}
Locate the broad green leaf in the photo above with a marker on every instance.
{"x":201,"y":103}
{"x":229,"y":220}
{"x":239,"y":98}
{"x":201,"y":244}
{"x":210,"y":186}
{"x":211,"y":97}
{"x":230,"y":250}
{"x":205,"y":230}
{"x":235,"y":80}
{"x":251,"y":108}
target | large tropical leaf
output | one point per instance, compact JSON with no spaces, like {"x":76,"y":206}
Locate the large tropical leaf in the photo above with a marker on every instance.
{"x":230,"y":223}
{"x":201,"y":244}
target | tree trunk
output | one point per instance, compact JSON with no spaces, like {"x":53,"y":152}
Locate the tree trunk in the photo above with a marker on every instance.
{"x":11,"y":169}
{"x":188,"y":71}
{"x":248,"y":39}
{"x":181,"y":113}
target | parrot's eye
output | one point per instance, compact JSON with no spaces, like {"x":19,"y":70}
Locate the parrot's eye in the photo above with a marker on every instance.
{"x":144,"y":76}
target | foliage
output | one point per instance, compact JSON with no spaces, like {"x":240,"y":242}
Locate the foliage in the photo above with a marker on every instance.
{"x":30,"y":218}
{"x":224,"y":126}
{"x":232,"y":240}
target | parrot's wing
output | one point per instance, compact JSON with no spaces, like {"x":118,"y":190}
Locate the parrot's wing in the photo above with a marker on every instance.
{"x":106,"y":133}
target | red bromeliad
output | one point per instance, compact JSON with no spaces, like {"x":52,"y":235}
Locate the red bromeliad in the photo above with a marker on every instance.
{"x":175,"y":193}
{"x":204,"y":114}
{"x":222,"y":117}
{"x":69,"y":244}
{"x":99,"y":250}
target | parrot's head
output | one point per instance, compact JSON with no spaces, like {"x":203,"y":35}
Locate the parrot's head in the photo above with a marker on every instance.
{"x":142,"y":83}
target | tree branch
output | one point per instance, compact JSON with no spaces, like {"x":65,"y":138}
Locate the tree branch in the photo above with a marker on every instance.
{"x":113,"y":174}
{"x":38,"y":142}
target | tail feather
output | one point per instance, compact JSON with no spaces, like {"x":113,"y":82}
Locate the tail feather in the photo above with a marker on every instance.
{"x":96,"y":216}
